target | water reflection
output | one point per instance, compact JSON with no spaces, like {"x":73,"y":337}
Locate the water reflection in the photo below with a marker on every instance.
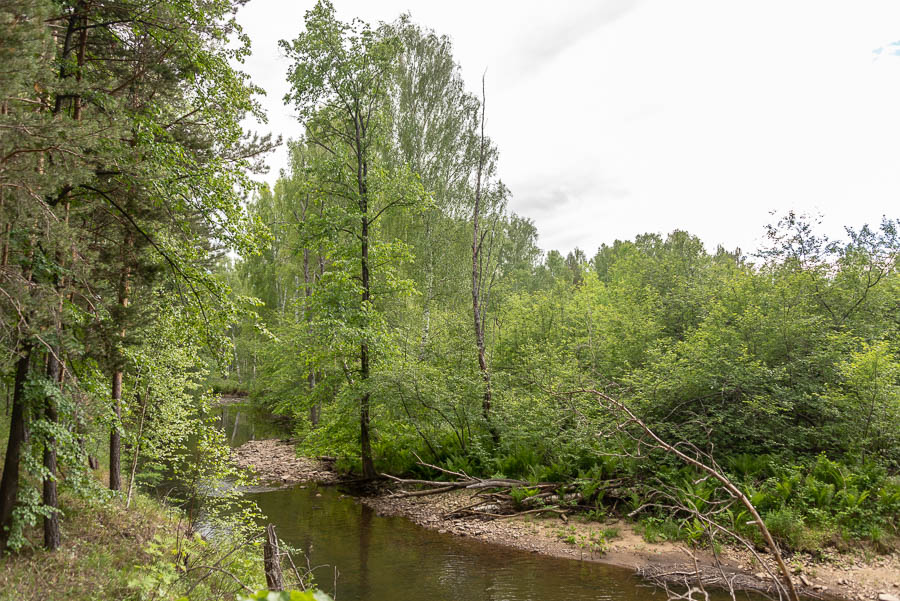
{"x":392,"y":559}
{"x":365,"y":538}
{"x":242,"y":424}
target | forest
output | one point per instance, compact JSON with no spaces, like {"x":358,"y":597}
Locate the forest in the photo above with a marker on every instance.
{"x":386,"y":304}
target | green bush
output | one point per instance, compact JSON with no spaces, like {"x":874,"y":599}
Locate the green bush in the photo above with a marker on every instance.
{"x":789,"y":529}
{"x":786,"y":526}
{"x":656,"y":529}
{"x":518,"y":462}
{"x":748,"y":466}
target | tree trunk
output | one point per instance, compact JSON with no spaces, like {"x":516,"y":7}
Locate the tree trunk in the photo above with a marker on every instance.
{"x":51,"y":413}
{"x":50,"y":497}
{"x":137,"y":449}
{"x":4,"y":254}
{"x":476,"y":287}
{"x":314,"y":408}
{"x":115,"y":435}
{"x":307,"y":281}
{"x":7,"y":230}
{"x":429,"y":293}
{"x":368,"y":465}
{"x":272,"y":561}
{"x":235,"y":366}
{"x":9,"y":484}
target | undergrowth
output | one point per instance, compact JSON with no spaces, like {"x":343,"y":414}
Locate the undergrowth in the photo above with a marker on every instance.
{"x":142,"y":553}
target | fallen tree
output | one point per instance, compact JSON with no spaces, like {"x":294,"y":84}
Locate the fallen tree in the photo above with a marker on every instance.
{"x":502,"y":498}
{"x":493,"y":497}
{"x":646,"y":439}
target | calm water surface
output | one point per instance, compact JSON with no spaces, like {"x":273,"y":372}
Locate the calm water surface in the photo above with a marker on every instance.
{"x":392,"y":559}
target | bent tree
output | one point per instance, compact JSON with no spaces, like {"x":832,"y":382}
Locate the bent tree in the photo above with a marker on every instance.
{"x":339,"y":81}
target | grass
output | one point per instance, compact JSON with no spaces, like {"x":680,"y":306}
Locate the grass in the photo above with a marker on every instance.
{"x":657,"y":530}
{"x":593,"y":541}
{"x":102,"y":544}
{"x":139,"y":554}
{"x":111,"y":553}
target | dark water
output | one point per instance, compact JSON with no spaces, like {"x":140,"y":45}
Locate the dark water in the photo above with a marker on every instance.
{"x":392,"y":559}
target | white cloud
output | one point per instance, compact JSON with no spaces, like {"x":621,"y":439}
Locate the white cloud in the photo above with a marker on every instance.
{"x":618,"y":117}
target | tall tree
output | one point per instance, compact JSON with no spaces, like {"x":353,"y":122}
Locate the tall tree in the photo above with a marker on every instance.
{"x":339,"y":81}
{"x":435,"y":132}
{"x":478,"y":263}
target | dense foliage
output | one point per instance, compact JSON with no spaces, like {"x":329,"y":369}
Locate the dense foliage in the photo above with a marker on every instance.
{"x":783,"y":364}
{"x":123,"y":174}
{"x":383,"y":297}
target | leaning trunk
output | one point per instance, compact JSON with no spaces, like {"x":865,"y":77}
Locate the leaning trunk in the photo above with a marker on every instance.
{"x":733,"y":491}
{"x":137,"y":450}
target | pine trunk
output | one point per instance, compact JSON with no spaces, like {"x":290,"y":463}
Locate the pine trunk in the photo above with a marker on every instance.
{"x":51,"y":413}
{"x":115,"y":436}
{"x":50,"y":497}
{"x":9,"y":484}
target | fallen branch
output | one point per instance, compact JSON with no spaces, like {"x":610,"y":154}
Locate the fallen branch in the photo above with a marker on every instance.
{"x":560,"y":512}
{"x":733,"y":490}
{"x":424,"y":493}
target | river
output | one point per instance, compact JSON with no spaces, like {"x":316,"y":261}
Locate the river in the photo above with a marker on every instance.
{"x":364,"y":557}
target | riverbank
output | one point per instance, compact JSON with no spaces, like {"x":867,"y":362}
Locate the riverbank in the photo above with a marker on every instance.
{"x":136,"y":553}
{"x":276,"y":461}
{"x":846,"y":577}
{"x":617,"y":542}
{"x":103,"y":546}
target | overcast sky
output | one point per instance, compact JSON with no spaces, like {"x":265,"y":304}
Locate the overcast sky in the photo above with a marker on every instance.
{"x":618,"y":117}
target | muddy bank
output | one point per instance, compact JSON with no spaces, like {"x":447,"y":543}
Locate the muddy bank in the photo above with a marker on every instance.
{"x":846,"y":577}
